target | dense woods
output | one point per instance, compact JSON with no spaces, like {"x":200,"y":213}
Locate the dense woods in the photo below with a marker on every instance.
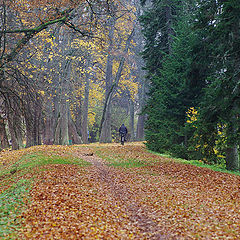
{"x":73,"y":71}
{"x":70,"y":71}
{"x":192,"y":61}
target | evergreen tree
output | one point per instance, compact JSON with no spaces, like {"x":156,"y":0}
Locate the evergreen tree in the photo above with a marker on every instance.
{"x":157,"y":22}
{"x":175,"y":85}
{"x":220,"y":22}
{"x":193,"y":60}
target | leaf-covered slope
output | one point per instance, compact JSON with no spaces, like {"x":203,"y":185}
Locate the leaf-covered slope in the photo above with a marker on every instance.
{"x":128,"y":193}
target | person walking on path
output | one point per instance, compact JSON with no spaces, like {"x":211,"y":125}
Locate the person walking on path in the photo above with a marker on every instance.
{"x":123,"y":132}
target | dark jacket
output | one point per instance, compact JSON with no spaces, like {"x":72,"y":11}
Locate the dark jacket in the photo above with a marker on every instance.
{"x":123,"y":130}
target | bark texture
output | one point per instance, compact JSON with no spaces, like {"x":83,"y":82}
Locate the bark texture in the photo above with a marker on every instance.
{"x":3,"y":134}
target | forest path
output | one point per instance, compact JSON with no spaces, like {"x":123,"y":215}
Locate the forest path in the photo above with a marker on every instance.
{"x":114,"y":185}
{"x":129,"y":193}
{"x":95,"y":202}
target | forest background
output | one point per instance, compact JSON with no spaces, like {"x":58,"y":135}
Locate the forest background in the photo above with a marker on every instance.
{"x":72,"y":71}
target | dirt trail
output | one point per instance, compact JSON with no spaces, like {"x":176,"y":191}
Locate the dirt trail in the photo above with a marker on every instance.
{"x":95,"y":202}
{"x":113,"y":185}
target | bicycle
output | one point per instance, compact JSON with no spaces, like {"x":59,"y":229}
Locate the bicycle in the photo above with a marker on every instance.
{"x":122,"y":138}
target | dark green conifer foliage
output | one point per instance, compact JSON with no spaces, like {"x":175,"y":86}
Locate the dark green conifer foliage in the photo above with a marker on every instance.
{"x":220,"y":22}
{"x":157,"y":23}
{"x":192,"y":59}
{"x":176,"y":84}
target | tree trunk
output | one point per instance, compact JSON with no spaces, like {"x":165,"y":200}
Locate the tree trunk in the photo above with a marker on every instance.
{"x":32,"y":114}
{"x":232,"y":158}
{"x":47,"y":134}
{"x":61,"y":132}
{"x":64,"y":128}
{"x":107,"y":105}
{"x":105,"y":127}
{"x":49,"y":125}
{"x":14,"y":125}
{"x":37,"y":124}
{"x":140,"y":128}
{"x":73,"y":134}
{"x":139,"y":39}
{"x":131,"y":121}
{"x":141,"y":116}
{"x":57,"y":135}
{"x":29,"y":131}
{"x":3,"y":134}
{"x":106,"y":136}
{"x":85,"y":112}
{"x":78,"y":114}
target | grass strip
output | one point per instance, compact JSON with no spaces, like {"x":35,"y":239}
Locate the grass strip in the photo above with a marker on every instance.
{"x":197,"y":163}
{"x":40,"y":159}
{"x":129,"y":163}
{"x":118,"y":161}
{"x":31,"y":161}
{"x":12,"y":203}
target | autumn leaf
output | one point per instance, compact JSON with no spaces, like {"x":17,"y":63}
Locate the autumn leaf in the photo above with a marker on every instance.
{"x":127,"y":193}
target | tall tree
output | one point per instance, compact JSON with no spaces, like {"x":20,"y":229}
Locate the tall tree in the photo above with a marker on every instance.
{"x":220,"y":22}
{"x":112,"y":81}
{"x":168,"y":64}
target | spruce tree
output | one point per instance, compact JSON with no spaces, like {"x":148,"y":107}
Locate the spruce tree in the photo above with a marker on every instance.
{"x":175,"y":85}
{"x":193,"y":65}
{"x":220,"y":22}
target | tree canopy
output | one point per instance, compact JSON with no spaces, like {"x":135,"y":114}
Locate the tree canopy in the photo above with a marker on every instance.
{"x":192,"y":61}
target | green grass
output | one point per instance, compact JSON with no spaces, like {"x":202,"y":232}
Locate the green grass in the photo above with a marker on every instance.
{"x":110,"y":159}
{"x":32,"y":161}
{"x":11,"y":206}
{"x":118,"y":161}
{"x":197,"y":163}
{"x":130,"y":163}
